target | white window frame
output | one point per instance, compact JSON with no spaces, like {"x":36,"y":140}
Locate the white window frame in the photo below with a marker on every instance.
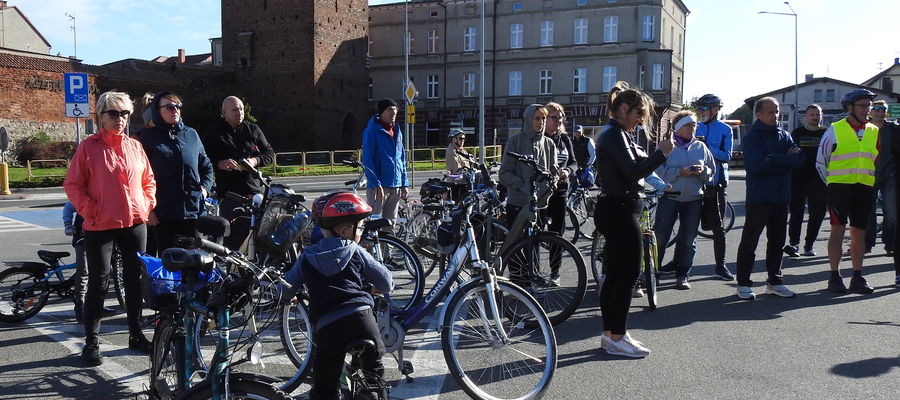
{"x":579,"y":80}
{"x":432,"y":86}
{"x":470,"y":36}
{"x":657,"y":77}
{"x":516,"y":36}
{"x":468,"y":84}
{"x":411,"y":41}
{"x":609,"y":77}
{"x":515,"y":83}
{"x":611,"y":29}
{"x":546,"y":82}
{"x":580,"y":31}
{"x":434,"y":41}
{"x":546,"y":33}
{"x":647,"y":25}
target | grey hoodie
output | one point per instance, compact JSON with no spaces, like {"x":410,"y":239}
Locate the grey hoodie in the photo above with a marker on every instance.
{"x":515,"y":175}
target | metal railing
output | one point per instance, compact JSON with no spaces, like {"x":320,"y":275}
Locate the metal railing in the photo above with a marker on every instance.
{"x":328,"y":160}
{"x":31,"y":175}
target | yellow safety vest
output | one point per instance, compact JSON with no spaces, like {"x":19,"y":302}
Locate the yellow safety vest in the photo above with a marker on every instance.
{"x":853,"y":161}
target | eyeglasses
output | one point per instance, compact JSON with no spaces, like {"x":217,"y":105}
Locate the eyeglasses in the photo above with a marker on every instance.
{"x":172,"y":106}
{"x":116,"y":113}
{"x":867,"y":105}
{"x":704,"y":108}
{"x":879,"y":108}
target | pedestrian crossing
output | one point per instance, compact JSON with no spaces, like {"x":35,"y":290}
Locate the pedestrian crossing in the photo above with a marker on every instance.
{"x":8,"y":225}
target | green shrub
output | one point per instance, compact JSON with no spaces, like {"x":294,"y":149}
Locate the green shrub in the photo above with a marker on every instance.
{"x":40,"y":146}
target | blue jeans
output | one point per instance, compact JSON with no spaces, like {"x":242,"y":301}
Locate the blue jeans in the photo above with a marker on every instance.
{"x":688,"y":214}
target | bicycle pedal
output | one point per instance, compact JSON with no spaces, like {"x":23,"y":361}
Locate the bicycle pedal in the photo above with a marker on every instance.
{"x":407,"y":369}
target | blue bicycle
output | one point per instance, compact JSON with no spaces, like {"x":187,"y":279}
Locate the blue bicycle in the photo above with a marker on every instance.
{"x":26,"y":286}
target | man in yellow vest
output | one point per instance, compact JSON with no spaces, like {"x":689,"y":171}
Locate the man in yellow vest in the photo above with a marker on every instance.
{"x":846,"y":162}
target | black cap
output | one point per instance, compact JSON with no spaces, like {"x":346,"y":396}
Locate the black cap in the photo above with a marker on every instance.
{"x":383,"y":104}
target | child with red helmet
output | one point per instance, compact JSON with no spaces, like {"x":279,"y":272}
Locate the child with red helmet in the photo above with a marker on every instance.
{"x":335,"y":270}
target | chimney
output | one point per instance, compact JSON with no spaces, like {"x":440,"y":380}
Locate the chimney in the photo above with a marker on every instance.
{"x":809,"y":77}
{"x":2,"y":3}
{"x":896,"y":59}
{"x":181,"y":56}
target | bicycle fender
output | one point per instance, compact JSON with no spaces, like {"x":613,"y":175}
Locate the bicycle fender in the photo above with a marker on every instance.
{"x":250,"y":376}
{"x":456,"y":291}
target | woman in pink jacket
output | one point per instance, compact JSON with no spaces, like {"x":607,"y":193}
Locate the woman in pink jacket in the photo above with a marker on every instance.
{"x":111,"y":184}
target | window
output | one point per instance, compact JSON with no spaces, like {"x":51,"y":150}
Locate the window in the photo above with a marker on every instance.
{"x":611,"y":29}
{"x":579,"y":80}
{"x":434,"y":41}
{"x":546,"y":33}
{"x":609,"y":78}
{"x":516,"y":31}
{"x":546,"y":82}
{"x":411,"y":42}
{"x":817,"y":96}
{"x":581,"y":31}
{"x":468,"y":84}
{"x":517,"y":7}
{"x":647,"y":28}
{"x":370,"y":89}
{"x":515,"y":83}
{"x":469,"y":35}
{"x":672,"y":37}
{"x":829,"y":95}
{"x":431,"y":88}
{"x":657,"y":82}
{"x":581,"y":2}
{"x":434,"y":14}
{"x":680,"y":46}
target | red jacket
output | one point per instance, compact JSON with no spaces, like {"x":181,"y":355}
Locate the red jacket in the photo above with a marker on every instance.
{"x":110,"y":182}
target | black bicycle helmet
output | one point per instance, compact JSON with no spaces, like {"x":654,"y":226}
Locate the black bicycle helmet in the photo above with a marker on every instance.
{"x":455,"y":132}
{"x":339,"y":207}
{"x":856,"y":94}
{"x":710,"y":100}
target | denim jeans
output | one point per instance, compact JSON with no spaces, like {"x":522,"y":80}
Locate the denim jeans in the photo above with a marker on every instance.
{"x":688,"y":214}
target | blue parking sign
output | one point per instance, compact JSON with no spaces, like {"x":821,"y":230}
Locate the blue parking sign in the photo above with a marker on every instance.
{"x":76,"y":87}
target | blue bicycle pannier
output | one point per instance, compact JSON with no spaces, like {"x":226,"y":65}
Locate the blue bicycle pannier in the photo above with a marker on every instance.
{"x":586,"y":177}
{"x":160,"y":285}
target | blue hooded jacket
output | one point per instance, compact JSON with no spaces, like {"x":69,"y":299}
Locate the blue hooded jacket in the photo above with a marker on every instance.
{"x":768,"y":165}
{"x":335,"y":271}
{"x":383,"y":156}
{"x":180,"y":166}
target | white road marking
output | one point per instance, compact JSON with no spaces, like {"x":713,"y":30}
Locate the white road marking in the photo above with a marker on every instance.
{"x":430,"y":368}
{"x":13,"y":225}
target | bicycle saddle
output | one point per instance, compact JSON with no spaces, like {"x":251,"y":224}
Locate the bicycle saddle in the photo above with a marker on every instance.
{"x":177,"y":259}
{"x":360,"y":346}
{"x":52,"y":256}
{"x":378,"y":224}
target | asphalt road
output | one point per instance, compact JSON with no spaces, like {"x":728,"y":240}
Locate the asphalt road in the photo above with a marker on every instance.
{"x":705,"y":342}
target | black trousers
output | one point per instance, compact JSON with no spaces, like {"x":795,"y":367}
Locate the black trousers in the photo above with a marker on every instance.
{"x":98,"y":246}
{"x":331,"y":341}
{"x":769,"y":216}
{"x":806,"y":191}
{"x":617,"y":219}
{"x":165,"y":233}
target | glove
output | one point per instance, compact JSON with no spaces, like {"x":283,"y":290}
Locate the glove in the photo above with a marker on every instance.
{"x":284,"y":296}
{"x":70,"y":231}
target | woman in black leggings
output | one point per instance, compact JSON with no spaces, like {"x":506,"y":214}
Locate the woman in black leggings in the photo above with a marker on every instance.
{"x":621,"y":165}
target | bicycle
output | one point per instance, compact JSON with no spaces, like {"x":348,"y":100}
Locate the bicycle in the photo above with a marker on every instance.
{"x":26,"y":286}
{"x":727,"y":223}
{"x":497,"y":341}
{"x":173,"y":357}
{"x":580,"y":210}
{"x":649,"y":251}
{"x":362,"y":384}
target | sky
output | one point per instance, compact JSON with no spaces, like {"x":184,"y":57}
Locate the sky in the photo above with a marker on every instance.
{"x":730,"y":50}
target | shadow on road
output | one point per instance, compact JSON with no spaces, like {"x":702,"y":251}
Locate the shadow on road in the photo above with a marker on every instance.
{"x":31,"y":380}
{"x":868,"y":368}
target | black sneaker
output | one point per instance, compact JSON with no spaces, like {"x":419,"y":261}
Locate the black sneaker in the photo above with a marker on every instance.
{"x":108,"y":312}
{"x":859,"y":285}
{"x":836,"y":285}
{"x":791,"y":250}
{"x":724,"y":273}
{"x":139,"y":343}
{"x":91,"y":355}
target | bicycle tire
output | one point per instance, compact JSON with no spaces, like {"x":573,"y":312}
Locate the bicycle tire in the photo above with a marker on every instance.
{"x":598,"y":260}
{"x":19,"y":281}
{"x":422,"y":237}
{"x":727,"y":221}
{"x":558,"y":301}
{"x":571,"y":227}
{"x":406,"y":271}
{"x":531,"y":348}
{"x":117,"y":265}
{"x":164,"y":374}
{"x":297,"y":336}
{"x":583,"y":207}
{"x":239,"y":388}
{"x":650,"y":266}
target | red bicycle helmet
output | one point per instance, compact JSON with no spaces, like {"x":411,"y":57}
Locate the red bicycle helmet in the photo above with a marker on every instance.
{"x":339,"y":207}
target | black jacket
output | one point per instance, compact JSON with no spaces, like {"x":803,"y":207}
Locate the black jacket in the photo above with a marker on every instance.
{"x":180,"y":166}
{"x":622,"y":164}
{"x":246,"y":141}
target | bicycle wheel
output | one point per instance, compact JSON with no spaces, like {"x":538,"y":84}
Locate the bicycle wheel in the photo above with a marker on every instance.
{"x":583,"y":207}
{"x":117,"y":266}
{"x":422,"y":236}
{"x":406,"y":270}
{"x":164,"y":362}
{"x":727,"y":221}
{"x":22,"y":294}
{"x":650,"y":265}
{"x":297,"y":337}
{"x":598,"y":260}
{"x":239,"y":388}
{"x":519,"y":366}
{"x":571,"y":227}
{"x":552,"y":269}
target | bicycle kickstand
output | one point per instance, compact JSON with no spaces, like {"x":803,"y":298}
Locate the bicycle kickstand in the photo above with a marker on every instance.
{"x":405,"y":367}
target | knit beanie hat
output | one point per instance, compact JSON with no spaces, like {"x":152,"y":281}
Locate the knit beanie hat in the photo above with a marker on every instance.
{"x":383,"y":104}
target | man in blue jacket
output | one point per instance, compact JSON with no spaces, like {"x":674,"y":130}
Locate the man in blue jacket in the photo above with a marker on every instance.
{"x":385,"y":161}
{"x":769,"y":156}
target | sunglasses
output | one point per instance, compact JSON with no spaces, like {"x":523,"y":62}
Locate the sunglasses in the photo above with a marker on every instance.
{"x":172,"y":106}
{"x":879,"y":108}
{"x":704,"y":108}
{"x":116,"y":113}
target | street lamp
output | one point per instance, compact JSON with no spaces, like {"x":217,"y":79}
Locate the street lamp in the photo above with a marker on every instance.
{"x":796,"y":105}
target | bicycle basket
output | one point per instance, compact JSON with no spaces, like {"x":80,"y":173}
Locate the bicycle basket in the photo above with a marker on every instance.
{"x":434,"y":189}
{"x":160,"y":285}
{"x":279,"y":210}
{"x":450,"y":232}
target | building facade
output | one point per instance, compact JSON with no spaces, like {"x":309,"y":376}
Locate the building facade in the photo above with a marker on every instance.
{"x":17,"y":32}
{"x":568,"y":51}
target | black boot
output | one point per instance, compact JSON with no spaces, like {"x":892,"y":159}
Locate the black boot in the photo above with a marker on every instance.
{"x":91,"y":353}
{"x":139,"y":343}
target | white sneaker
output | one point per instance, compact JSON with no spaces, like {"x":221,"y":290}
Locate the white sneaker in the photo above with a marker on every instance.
{"x":779,"y":290}
{"x":627,"y":347}
{"x":604,"y":341}
{"x":746,"y":293}
{"x":638,"y":292}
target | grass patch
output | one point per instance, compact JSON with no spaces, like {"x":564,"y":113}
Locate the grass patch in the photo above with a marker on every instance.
{"x":18,"y":177}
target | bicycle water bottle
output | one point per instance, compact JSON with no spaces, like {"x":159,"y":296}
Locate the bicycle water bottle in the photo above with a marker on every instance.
{"x":289,"y":230}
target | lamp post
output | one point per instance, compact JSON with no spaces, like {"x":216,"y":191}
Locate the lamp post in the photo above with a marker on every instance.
{"x":795,"y":107}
